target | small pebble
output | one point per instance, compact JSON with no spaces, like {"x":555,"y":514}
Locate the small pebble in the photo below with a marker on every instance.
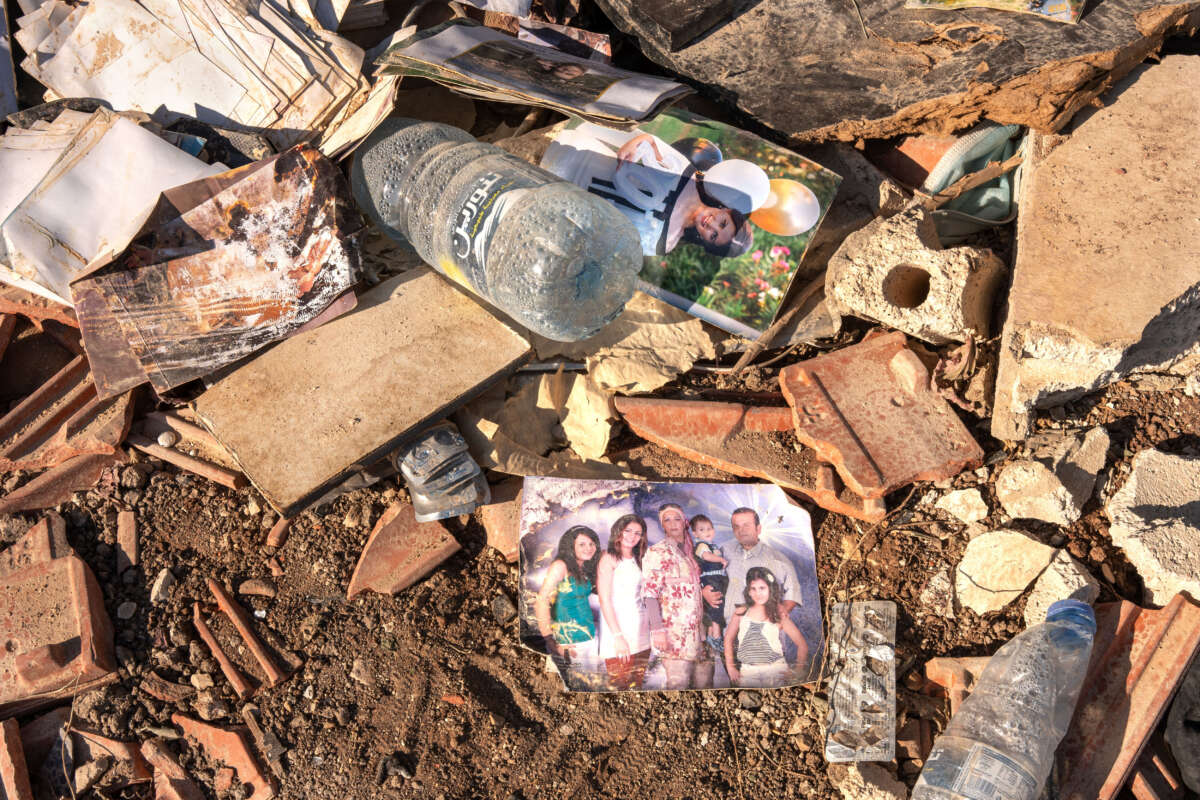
{"x":160,"y":592}
{"x":749,"y":700}
{"x":503,"y":609}
{"x":202,"y":681}
{"x":168,"y":438}
{"x":126,"y":610}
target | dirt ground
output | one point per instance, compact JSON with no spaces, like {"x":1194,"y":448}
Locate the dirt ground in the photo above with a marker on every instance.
{"x":429,"y":695}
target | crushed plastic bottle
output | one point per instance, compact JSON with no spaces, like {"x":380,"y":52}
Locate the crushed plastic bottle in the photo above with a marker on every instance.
{"x":558,"y":260}
{"x":1000,"y":745}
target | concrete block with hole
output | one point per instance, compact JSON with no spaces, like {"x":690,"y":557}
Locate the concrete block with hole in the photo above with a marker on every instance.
{"x":894,"y":271}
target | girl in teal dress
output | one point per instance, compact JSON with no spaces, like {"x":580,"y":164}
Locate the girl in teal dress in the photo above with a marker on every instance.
{"x":564,"y":613}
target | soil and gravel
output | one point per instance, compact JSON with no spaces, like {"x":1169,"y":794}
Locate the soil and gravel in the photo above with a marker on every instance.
{"x":429,"y":694}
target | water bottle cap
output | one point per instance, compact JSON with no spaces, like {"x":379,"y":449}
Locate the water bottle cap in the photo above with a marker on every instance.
{"x":1075,"y":610}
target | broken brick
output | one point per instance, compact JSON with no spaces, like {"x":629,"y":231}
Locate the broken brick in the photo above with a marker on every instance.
{"x":400,"y":551}
{"x":131,"y":767}
{"x":868,"y":409}
{"x":58,"y":639}
{"x":279,"y":532}
{"x":14,"y":776}
{"x":127,"y":541}
{"x":170,"y":781}
{"x":230,"y":748}
{"x":501,"y":518}
{"x":205,"y":469}
{"x":740,"y":440}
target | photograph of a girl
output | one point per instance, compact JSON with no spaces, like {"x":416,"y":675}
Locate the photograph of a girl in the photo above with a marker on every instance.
{"x":753,"y":645}
{"x":564,"y":616}
{"x":631,"y":586}
{"x":724,"y":216}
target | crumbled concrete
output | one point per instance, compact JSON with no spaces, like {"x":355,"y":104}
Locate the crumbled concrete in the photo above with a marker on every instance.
{"x":1064,"y":579}
{"x":996,"y":569}
{"x":1156,"y":521}
{"x":866,"y":781}
{"x":966,"y":505}
{"x":1057,"y":478}
{"x":1101,"y":290}
{"x":1183,"y":728}
{"x":895,"y":271}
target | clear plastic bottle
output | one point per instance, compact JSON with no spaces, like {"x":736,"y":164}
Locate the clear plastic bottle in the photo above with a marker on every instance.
{"x":1000,"y":745}
{"x":558,"y":260}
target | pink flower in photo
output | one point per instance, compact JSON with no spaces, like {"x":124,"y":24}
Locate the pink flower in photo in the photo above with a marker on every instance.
{"x":779,"y":250}
{"x":756,"y":256}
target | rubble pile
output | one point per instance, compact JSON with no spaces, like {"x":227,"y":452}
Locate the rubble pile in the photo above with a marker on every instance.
{"x":289,"y":508}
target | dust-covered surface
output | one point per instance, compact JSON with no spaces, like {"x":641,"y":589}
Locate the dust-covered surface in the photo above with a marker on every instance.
{"x":426,"y":694}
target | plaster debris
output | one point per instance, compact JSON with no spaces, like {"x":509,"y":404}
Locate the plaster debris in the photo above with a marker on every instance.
{"x":1156,"y":521}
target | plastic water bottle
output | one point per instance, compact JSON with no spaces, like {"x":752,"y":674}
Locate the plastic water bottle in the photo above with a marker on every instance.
{"x":558,"y":260}
{"x":1000,"y":745}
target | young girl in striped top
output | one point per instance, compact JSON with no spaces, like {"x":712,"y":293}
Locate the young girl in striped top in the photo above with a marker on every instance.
{"x":753,"y":635}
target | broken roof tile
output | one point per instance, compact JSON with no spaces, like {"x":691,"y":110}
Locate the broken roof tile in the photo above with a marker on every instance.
{"x":400,"y":551}
{"x":868,"y":409}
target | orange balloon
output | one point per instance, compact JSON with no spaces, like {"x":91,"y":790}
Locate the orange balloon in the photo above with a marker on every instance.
{"x":791,"y":208}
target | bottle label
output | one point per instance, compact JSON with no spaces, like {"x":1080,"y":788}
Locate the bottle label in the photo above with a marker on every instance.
{"x":488,"y":199}
{"x":991,"y":775}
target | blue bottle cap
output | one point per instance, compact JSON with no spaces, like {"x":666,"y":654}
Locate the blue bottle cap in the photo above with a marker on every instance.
{"x":1075,"y":610}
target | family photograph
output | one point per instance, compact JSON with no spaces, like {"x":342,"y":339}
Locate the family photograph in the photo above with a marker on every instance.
{"x":642,"y":586}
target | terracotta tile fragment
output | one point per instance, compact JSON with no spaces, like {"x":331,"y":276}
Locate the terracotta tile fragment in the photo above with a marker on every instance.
{"x":502,"y":517}
{"x":739,"y":439}
{"x":58,"y":639}
{"x":241,"y":621}
{"x":1139,"y":657}
{"x":400,"y":551}
{"x":235,"y":677}
{"x":868,"y":410}
{"x":205,"y":469}
{"x":279,"y":532}
{"x":127,"y":541}
{"x":229,"y":747}
{"x":166,"y":691}
{"x":57,"y":484}
{"x":170,"y":780}
{"x":14,"y":776}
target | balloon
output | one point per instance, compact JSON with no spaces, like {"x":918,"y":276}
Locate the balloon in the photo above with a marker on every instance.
{"x":740,"y":185}
{"x":790,"y":209}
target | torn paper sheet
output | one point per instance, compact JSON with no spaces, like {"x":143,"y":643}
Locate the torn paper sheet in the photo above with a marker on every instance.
{"x":223,"y":267}
{"x":72,"y":215}
{"x":521,"y":434}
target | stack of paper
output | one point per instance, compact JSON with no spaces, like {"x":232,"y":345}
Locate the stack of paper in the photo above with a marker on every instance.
{"x":477,"y":60}
{"x":78,"y":188}
{"x":245,"y":64}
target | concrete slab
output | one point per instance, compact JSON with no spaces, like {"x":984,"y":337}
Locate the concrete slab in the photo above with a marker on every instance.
{"x":302,"y":417}
{"x":1102,"y":289}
